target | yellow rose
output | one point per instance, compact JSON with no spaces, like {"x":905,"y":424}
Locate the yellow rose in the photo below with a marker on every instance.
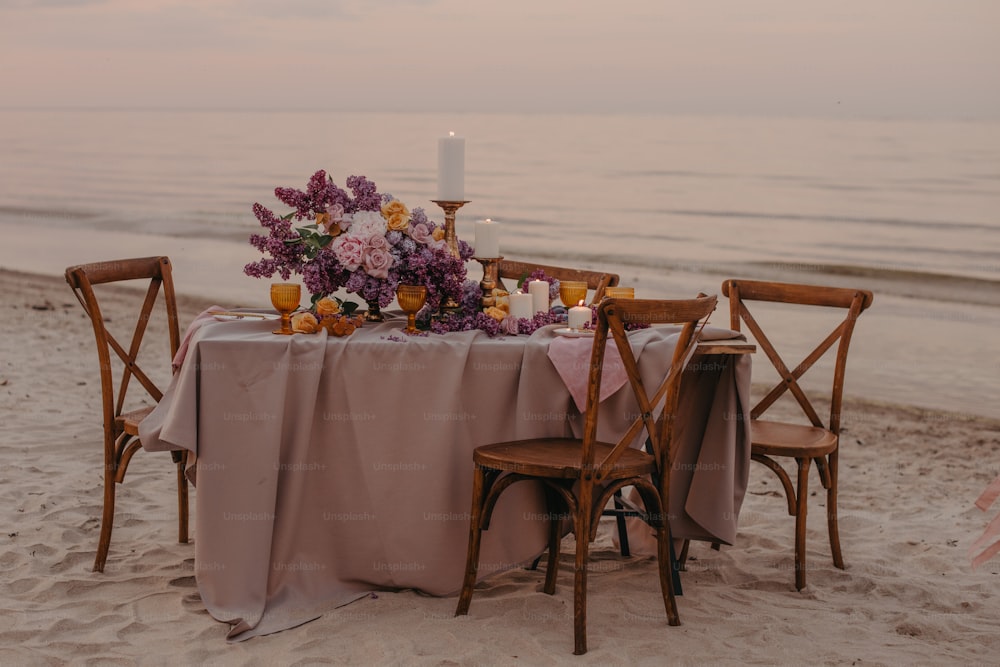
{"x":438,"y":233}
{"x":327,"y":306}
{"x":395,"y":207}
{"x":398,"y":222}
{"x":305,"y":322}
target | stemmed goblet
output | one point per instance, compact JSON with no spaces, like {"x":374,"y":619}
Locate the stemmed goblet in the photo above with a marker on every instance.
{"x":285,"y":299}
{"x":572,"y":292}
{"x":411,"y":299}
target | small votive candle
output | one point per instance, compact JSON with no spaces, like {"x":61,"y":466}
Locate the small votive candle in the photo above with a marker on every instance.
{"x":539,"y":291}
{"x":520,"y":305}
{"x":579,"y":316}
{"x":487,"y":239}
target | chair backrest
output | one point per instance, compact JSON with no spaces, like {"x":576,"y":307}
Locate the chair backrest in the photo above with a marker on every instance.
{"x":854,"y":301}
{"x":82,"y":280}
{"x":656,"y":409}
{"x":596,"y":280}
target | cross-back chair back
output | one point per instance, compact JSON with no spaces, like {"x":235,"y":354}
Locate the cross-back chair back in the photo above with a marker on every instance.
{"x":120,"y":424}
{"x":596,"y":280}
{"x":580,"y":475}
{"x":818,"y":442}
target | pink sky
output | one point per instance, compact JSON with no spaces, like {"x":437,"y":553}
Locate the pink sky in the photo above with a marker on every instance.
{"x":919,"y":58}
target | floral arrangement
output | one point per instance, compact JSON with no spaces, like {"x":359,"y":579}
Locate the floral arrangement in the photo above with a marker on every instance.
{"x":367,"y":244}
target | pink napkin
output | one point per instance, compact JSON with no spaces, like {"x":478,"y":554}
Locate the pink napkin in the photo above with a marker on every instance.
{"x":571,"y":357}
{"x":992,"y":532}
{"x":201,"y":320}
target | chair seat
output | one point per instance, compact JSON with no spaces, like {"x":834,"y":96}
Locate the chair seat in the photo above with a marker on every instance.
{"x":129,"y":421}
{"x":559,"y":458}
{"x":794,"y":440}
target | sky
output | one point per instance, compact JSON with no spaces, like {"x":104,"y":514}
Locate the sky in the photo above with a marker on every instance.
{"x":865,"y":58}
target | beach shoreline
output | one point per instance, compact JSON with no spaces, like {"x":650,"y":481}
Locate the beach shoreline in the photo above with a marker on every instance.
{"x":909,"y":476}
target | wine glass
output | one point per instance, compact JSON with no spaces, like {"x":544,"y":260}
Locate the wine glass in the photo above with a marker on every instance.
{"x":572,"y":292}
{"x":285,"y":299}
{"x":411,"y":299}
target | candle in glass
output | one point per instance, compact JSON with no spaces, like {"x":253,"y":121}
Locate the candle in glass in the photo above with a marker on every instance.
{"x":487,"y":238}
{"x":520,"y":305}
{"x":579,"y":316}
{"x":539,"y":291}
{"x":451,"y":168}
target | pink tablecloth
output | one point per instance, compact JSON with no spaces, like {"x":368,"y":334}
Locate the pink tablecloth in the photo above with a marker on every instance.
{"x":327,"y":468}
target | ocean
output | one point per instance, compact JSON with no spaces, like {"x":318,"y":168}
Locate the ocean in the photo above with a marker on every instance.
{"x":909,"y":209}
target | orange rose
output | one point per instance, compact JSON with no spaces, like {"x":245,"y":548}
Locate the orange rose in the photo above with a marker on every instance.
{"x":304,"y":322}
{"x":438,"y":233}
{"x":496,"y":313}
{"x":327,"y":306}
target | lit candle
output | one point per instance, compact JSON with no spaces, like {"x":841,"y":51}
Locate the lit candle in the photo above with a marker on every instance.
{"x":579,"y":316}
{"x":539,"y":291}
{"x":451,"y":168}
{"x":520,"y":305}
{"x":487,"y":238}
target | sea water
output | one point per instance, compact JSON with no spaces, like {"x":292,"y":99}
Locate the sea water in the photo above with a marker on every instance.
{"x":909,"y":209}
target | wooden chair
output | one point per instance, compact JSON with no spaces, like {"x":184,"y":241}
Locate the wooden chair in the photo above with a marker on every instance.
{"x":596,"y":280}
{"x":581,"y":475}
{"x":817,"y":442}
{"x":121,"y":427}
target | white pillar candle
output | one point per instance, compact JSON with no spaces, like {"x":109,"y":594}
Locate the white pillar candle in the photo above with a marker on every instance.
{"x":579,"y":316}
{"x":487,"y":238}
{"x":539,"y":291}
{"x":451,"y":168}
{"x":520,"y":305}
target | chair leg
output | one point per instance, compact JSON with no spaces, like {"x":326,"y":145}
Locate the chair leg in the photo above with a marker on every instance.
{"x":802,"y":499}
{"x":107,"y":518}
{"x":555,"y":539}
{"x":580,"y":579}
{"x":622,"y":526}
{"x":831,"y":513}
{"x":475,"y":540}
{"x":665,"y":566}
{"x":182,"y":498}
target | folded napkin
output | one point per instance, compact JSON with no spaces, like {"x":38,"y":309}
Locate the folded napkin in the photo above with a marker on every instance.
{"x":571,"y":358}
{"x":201,"y":320}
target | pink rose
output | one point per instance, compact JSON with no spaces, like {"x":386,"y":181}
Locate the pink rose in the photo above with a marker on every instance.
{"x":332,"y":222}
{"x":377,"y":262}
{"x":349,"y":251}
{"x":421,"y":234}
{"x":376,"y":242}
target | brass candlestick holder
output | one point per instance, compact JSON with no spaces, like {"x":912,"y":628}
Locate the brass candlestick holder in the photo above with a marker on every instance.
{"x":450,"y":207}
{"x":490,"y":281}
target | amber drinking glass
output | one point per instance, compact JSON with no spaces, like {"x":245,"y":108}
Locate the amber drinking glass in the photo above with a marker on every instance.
{"x":572,"y":292}
{"x":411,"y":299}
{"x":285,"y":299}
{"x":619,"y":292}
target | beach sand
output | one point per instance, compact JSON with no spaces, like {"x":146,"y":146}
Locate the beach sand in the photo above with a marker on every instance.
{"x":908,"y":596}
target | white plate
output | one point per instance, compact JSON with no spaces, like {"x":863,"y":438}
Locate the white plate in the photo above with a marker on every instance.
{"x":574,"y":333}
{"x":232,"y":317}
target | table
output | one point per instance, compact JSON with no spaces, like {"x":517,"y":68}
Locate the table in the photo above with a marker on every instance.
{"x":330,"y":467}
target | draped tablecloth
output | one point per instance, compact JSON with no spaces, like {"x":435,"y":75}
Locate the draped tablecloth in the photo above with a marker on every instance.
{"x":330,"y":467}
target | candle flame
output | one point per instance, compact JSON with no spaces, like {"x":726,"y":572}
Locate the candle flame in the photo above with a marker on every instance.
{"x":489,"y":220}
{"x":451,"y":134}
{"x":581,"y":303}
